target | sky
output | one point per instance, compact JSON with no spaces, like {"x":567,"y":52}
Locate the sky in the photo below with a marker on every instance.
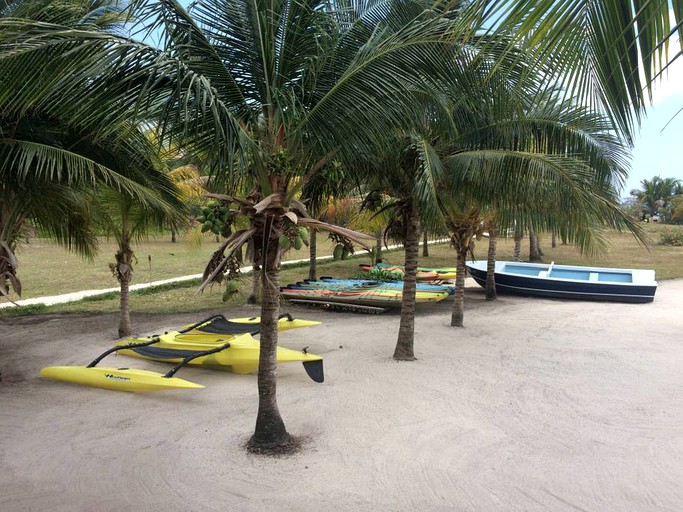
{"x":658,"y":150}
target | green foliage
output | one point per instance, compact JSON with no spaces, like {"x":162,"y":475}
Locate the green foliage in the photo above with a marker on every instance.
{"x":673,"y":237}
{"x":33,"y":309}
{"x":658,"y":194}
{"x":379,"y":274}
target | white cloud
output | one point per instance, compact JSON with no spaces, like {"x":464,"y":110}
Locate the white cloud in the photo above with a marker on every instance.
{"x":671,"y":83}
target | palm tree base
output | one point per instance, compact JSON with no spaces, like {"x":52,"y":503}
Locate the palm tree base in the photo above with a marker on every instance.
{"x":401,"y":357}
{"x":457,"y":322}
{"x":286,"y":446}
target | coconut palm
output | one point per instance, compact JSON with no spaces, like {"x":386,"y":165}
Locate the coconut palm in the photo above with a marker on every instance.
{"x":657,"y":193}
{"x":309,"y":82}
{"x":409,"y":175}
{"x":317,"y":194}
{"x":606,"y":54}
{"x":69,"y":99}
{"x":120,"y":215}
{"x":491,"y":262}
{"x":513,"y":152}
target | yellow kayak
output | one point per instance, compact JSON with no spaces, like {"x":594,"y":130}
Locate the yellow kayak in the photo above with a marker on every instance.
{"x":218,"y":324}
{"x":241,"y":356}
{"x":423,"y":273}
{"x":195,"y":345}
{"x":118,"y":379}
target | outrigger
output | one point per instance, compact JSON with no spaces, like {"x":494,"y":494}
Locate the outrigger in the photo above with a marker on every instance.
{"x":124,"y":379}
{"x":239,"y":353}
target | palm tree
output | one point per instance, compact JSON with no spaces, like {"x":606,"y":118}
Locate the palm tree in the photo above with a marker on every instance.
{"x":491,"y":260}
{"x":309,"y":83}
{"x":516,"y":154}
{"x":409,"y":175}
{"x":607,"y":54}
{"x":122,"y":216}
{"x":317,"y":193}
{"x":657,"y":193}
{"x":69,"y":100}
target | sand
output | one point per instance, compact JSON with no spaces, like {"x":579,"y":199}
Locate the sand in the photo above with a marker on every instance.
{"x":534,"y":405}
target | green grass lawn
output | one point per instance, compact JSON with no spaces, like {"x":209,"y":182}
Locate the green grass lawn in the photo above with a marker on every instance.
{"x":46,"y":269}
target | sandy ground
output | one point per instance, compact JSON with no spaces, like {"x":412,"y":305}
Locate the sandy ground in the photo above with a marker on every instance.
{"x":534,"y":405}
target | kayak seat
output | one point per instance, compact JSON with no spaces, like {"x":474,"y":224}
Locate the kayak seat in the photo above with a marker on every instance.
{"x":221,"y":325}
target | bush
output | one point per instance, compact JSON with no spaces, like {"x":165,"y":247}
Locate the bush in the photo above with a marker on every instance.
{"x":671,"y":237}
{"x":379,"y":274}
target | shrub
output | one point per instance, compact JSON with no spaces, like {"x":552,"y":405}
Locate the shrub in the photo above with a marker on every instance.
{"x":671,"y":237}
{"x":379,"y":274}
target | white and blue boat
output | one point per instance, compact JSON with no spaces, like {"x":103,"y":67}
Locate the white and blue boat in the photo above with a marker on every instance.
{"x":569,"y":282}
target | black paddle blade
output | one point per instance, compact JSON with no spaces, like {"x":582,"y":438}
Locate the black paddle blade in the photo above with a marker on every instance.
{"x":314,"y":369}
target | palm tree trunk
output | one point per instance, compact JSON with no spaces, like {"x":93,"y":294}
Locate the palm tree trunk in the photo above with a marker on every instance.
{"x":458,"y":315}
{"x":553,"y":242}
{"x":254,"y":293}
{"x":313,"y":251}
{"x":255,"y":255}
{"x":406,"y":331}
{"x":173,"y":234}
{"x":534,"y":255}
{"x":378,"y":252}
{"x":425,"y":247}
{"x":270,"y":432}
{"x":491,"y":266}
{"x":125,"y":328}
{"x":123,"y":272}
{"x":517,"y":253}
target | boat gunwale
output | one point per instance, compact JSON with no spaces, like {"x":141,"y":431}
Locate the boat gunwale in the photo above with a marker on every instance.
{"x":639,"y":277}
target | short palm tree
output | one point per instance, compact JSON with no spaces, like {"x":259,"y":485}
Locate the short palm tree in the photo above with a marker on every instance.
{"x":122,"y":216}
{"x":69,"y":99}
{"x":657,"y":193}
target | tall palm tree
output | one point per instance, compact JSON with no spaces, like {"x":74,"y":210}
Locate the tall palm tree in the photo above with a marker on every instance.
{"x":409,"y":175}
{"x":309,"y":82}
{"x":513,"y":152}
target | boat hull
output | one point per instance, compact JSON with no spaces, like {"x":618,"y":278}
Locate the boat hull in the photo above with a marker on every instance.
{"x":619,"y":285}
{"x":242,"y":356}
{"x":118,"y":379}
{"x":383,"y":298}
{"x":219,"y":325}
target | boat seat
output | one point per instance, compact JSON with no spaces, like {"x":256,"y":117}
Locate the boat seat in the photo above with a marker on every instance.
{"x":593,"y":276}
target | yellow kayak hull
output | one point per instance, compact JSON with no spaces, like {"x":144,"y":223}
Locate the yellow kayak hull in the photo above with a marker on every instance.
{"x":284,"y":324}
{"x":242,"y":356}
{"x":118,"y":379}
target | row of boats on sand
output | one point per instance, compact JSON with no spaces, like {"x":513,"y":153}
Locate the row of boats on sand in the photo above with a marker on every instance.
{"x":217,"y":342}
{"x":528,"y":279}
